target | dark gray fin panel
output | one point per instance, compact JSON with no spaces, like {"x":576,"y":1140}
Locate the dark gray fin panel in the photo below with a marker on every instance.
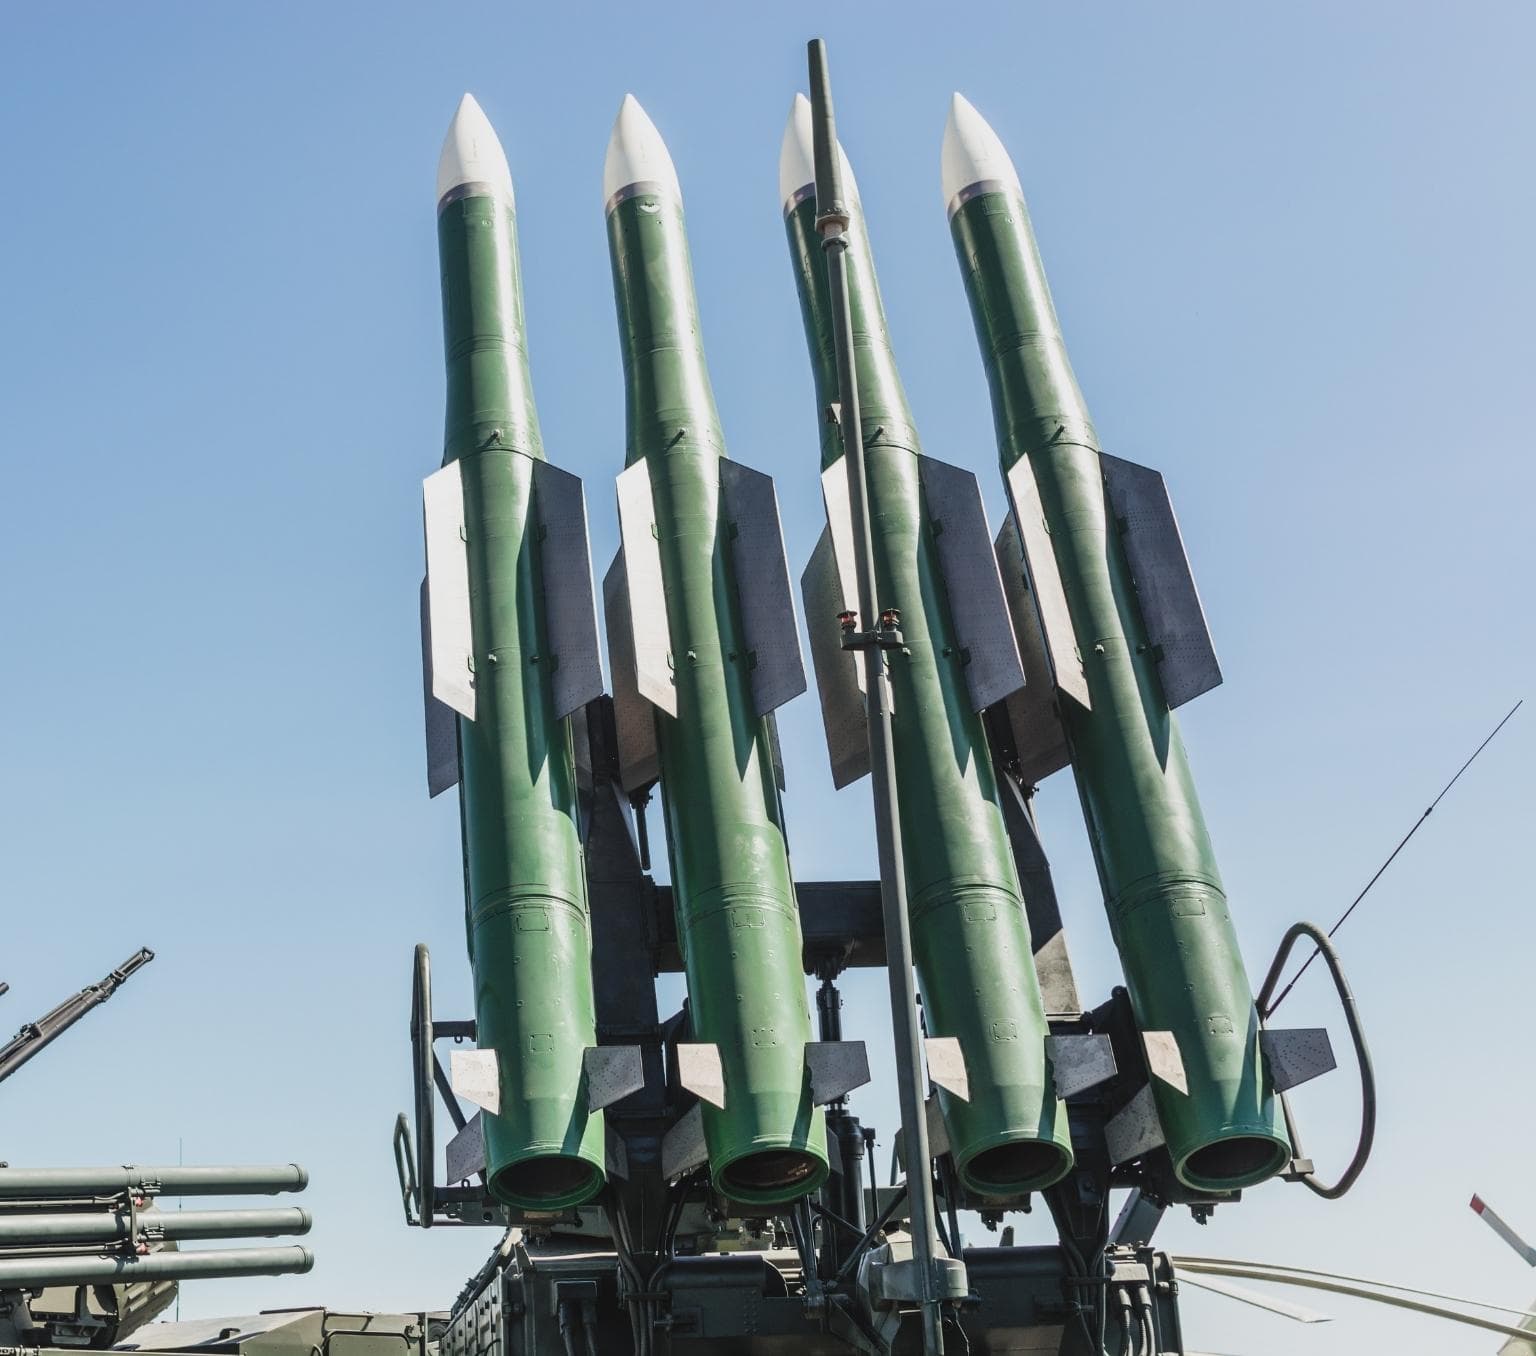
{"x":570,"y":603}
{"x":977,"y":605}
{"x":442,"y":727}
{"x":1165,"y":585}
{"x":763,"y":592}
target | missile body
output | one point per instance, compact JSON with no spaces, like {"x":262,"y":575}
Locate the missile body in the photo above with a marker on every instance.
{"x":1007,"y":1128}
{"x":737,"y":921}
{"x":1163,"y":893}
{"x":494,"y":659}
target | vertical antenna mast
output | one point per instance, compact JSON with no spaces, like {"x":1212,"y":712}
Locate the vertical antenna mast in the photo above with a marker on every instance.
{"x":873,"y":632}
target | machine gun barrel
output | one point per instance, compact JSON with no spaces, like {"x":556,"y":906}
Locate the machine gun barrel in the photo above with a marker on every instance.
{"x":36,"y":1036}
{"x":19,"y":1184}
{"x":120,"y":1226}
{"x":33,"y":1272}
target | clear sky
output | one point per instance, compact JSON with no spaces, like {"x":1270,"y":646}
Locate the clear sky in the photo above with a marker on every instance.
{"x":1290,"y":247}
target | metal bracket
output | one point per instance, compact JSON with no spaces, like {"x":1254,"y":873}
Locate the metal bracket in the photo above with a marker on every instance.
{"x":613,"y":1073}
{"x":836,"y":1068}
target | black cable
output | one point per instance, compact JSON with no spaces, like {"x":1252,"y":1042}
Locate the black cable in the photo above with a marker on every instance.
{"x":1418,"y":824}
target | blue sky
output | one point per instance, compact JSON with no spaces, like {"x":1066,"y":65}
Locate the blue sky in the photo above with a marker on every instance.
{"x":1290,"y":249}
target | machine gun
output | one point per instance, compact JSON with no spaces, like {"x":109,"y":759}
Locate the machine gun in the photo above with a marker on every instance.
{"x":35,"y":1037}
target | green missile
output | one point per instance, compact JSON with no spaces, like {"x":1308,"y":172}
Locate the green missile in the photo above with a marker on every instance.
{"x":510,"y":649}
{"x":1006,"y":1126}
{"x":703,"y":648}
{"x":1105,"y":582}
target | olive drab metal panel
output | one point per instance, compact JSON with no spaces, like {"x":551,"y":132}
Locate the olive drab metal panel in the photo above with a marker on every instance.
{"x":977,"y":605}
{"x":1165,"y":585}
{"x":763,"y":591}
{"x":570,"y":607}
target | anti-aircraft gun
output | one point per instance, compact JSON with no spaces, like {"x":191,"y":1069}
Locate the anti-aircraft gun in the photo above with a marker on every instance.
{"x":88,"y":1256}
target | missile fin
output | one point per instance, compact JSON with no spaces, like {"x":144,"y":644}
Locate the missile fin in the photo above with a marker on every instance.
{"x":1165,"y":585}
{"x":836,"y":1068}
{"x":634,"y":719}
{"x":843,"y":717}
{"x":938,"y":1132}
{"x":442,"y":728}
{"x":775,"y":749}
{"x":834,"y":493}
{"x":453,"y":649}
{"x":699,"y":1070}
{"x":613,"y":1072}
{"x":570,"y":607}
{"x":977,"y":604}
{"x":1164,"y":1059}
{"x":1044,"y":579}
{"x":645,"y":598}
{"x":763,"y":591}
{"x":1080,"y":1062}
{"x":1297,"y":1056}
{"x":1134,"y":1130}
{"x":475,"y":1075}
{"x":466,"y":1151}
{"x":1031,"y":711}
{"x":683,"y":1148}
{"x":946,"y":1066}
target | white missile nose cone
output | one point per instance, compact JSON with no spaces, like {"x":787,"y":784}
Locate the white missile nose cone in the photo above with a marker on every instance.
{"x":472,"y":154}
{"x":973,"y":154}
{"x":637,"y":155}
{"x":797,"y":160}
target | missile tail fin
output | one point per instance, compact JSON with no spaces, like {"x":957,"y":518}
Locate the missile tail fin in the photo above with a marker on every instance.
{"x":451,"y":631}
{"x":645,"y":595}
{"x":837,"y":670}
{"x":634,"y":719}
{"x":1165,"y":585}
{"x":977,"y":605}
{"x":764,"y":595}
{"x":1039,"y":741}
{"x":570,"y":607}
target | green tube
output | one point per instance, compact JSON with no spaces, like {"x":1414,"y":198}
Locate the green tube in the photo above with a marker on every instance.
{"x":737,"y":921}
{"x":529,"y":934}
{"x":1167,"y":909}
{"x":970,"y":935}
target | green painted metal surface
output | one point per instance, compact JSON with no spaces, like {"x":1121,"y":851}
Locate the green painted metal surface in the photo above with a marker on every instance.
{"x":1162,"y":890}
{"x":737,"y":922}
{"x":529,"y":933}
{"x":971,"y":941}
